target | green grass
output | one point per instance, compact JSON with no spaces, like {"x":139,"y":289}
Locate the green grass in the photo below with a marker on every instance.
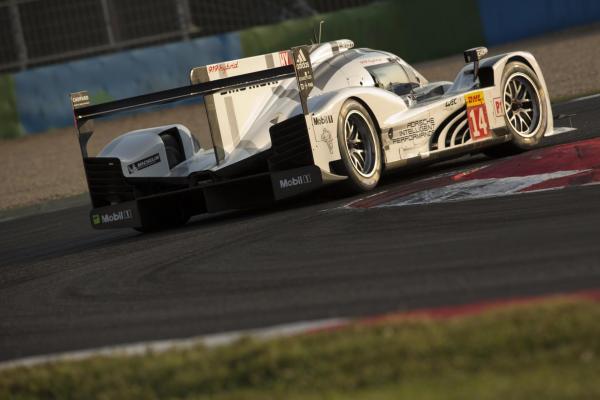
{"x":547,"y":351}
{"x":10,"y":126}
{"x":389,"y":25}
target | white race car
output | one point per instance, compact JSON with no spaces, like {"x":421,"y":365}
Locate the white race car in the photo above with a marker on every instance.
{"x":289,"y":122}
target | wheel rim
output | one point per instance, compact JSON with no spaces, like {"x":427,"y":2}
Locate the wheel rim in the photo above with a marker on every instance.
{"x":522,"y":105}
{"x":360,"y":143}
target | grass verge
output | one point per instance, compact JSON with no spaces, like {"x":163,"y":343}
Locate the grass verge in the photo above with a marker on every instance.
{"x":9,"y":117}
{"x":548,"y":350}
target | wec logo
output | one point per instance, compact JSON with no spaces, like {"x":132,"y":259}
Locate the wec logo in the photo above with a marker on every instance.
{"x":295,"y":181}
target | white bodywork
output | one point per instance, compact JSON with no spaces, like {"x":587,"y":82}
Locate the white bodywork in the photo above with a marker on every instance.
{"x":240,"y":118}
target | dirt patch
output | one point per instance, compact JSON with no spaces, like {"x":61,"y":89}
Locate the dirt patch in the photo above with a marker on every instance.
{"x":48,"y":166}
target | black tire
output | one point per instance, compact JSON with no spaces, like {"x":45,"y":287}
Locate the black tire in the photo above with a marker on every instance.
{"x":174,"y":154}
{"x":521,"y":87}
{"x":164,"y":220}
{"x":363,"y":176}
{"x":502,"y":150}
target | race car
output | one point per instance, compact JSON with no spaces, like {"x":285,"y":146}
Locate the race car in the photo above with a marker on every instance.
{"x":289,"y":122}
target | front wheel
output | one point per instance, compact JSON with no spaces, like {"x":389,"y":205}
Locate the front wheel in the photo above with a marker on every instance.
{"x":525,"y":109}
{"x":360,"y":148}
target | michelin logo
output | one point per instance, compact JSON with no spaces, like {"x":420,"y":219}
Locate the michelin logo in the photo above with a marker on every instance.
{"x":116,"y":216}
{"x":295,"y":181}
{"x":145,"y":163}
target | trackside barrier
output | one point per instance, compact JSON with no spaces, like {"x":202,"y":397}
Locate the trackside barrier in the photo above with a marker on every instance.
{"x":36,"y":100}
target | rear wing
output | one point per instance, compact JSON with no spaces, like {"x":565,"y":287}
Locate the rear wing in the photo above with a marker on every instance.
{"x":205,"y":82}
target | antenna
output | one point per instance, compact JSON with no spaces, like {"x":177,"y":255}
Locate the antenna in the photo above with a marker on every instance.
{"x":317,"y":39}
{"x":320,"y":30}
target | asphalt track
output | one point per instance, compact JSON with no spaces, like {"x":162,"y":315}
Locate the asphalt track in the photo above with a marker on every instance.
{"x":64,"y":286}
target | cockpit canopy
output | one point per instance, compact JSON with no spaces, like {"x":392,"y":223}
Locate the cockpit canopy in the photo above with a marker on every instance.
{"x":394,"y":77}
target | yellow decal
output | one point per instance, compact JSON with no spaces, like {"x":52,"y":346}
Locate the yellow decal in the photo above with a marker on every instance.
{"x":474,"y":99}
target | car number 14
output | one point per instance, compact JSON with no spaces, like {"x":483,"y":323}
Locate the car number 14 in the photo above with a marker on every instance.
{"x":477,"y":116}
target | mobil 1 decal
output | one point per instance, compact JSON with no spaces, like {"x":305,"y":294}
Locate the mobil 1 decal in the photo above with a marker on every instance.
{"x":304,"y":73}
{"x":477,"y":115}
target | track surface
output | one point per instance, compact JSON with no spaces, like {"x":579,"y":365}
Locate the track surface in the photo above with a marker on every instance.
{"x":64,"y":286}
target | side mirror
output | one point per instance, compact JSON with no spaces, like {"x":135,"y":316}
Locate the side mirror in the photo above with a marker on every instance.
{"x":404,"y":88}
{"x":473,"y":56}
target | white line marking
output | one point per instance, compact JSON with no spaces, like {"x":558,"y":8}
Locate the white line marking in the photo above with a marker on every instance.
{"x":349,"y":205}
{"x":559,"y":131}
{"x":160,"y":346}
{"x":476,"y":189}
{"x":593,"y":96}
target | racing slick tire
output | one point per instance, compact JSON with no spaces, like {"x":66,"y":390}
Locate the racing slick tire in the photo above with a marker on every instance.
{"x":165,"y":220}
{"x":360,"y":148}
{"x":174,"y":154}
{"x":525,"y":109}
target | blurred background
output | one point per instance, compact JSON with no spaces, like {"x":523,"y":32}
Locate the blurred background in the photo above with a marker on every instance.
{"x":37,"y":32}
{"x":115,"y":49}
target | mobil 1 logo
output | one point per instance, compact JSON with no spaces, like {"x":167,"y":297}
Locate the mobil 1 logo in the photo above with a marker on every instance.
{"x":112,"y":217}
{"x":115,"y":216}
{"x":295,"y":181}
{"x":304,"y":73}
{"x":292,"y":181}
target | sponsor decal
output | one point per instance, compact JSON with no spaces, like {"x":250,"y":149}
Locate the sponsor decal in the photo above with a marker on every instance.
{"x":251,"y":87}
{"x":323,"y":119}
{"x":373,"y":61}
{"x":223,"y":67}
{"x":80,"y":99}
{"x":475,"y":99}
{"x":145,"y":163}
{"x":452,"y":102}
{"x":304,"y":74}
{"x":303,"y":70}
{"x":327,"y":138}
{"x":479,"y":125}
{"x":301,"y":61}
{"x":498,"y":109}
{"x":284,"y":58}
{"x":295,"y":181}
{"x":413,"y":130}
{"x":345,"y":44}
{"x":109,"y":218}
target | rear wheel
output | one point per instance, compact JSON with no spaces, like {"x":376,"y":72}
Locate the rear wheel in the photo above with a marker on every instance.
{"x":525,"y":109}
{"x":359,"y":147}
{"x":173,"y":150}
{"x":174,"y":218}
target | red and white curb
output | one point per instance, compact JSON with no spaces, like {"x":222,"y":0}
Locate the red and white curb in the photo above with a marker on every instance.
{"x":292,"y":329}
{"x":551,"y":168}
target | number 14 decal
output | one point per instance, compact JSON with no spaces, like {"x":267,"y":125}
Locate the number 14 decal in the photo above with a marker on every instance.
{"x":479,"y":125}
